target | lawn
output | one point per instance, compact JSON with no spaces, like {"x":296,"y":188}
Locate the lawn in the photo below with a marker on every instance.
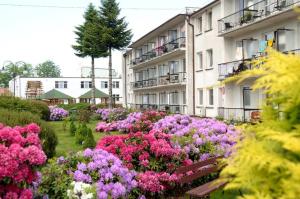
{"x":66,"y":142}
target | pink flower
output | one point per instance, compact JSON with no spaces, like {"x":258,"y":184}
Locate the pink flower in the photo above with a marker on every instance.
{"x":33,"y":128}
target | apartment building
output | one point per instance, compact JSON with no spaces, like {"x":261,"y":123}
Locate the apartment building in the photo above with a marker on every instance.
{"x":155,"y":68}
{"x":211,"y":44}
{"x":248,"y":28}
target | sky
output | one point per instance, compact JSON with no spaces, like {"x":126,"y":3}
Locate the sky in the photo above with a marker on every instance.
{"x":37,"y":34}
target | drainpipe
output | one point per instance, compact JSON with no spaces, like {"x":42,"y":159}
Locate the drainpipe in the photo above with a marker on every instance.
{"x":193,"y":60}
{"x":125,"y":79}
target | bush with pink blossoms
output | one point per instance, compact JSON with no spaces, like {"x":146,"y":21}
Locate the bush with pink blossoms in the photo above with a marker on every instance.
{"x":57,"y":114}
{"x":152,"y":155}
{"x":20,"y":154}
{"x":200,"y":138}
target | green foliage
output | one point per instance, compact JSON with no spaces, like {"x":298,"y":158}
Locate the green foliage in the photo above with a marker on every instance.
{"x":72,"y":128}
{"x":78,"y":106}
{"x":89,"y":140}
{"x":55,"y":177}
{"x":48,"y":69}
{"x":267,"y":162}
{"x":12,"y":70}
{"x":47,"y":135}
{"x":17,"y":104}
{"x":84,"y":116}
{"x":81,"y":133}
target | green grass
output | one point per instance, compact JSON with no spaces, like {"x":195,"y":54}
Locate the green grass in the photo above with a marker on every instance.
{"x":66,"y":142}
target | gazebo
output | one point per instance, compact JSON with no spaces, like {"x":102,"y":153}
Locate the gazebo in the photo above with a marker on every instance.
{"x":86,"y":97}
{"x":54,"y":97}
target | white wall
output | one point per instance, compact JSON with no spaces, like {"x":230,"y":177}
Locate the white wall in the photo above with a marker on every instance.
{"x":74,"y":87}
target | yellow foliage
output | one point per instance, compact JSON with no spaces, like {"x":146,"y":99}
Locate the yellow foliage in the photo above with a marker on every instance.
{"x":266,"y":163}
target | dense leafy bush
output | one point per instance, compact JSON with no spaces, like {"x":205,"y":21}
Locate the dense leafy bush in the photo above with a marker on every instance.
{"x":20,"y":155}
{"x":78,"y":106}
{"x":89,"y":140}
{"x":16,"y":104}
{"x":47,"y":135}
{"x":72,"y":128}
{"x":267,"y":162}
{"x":99,"y":171}
{"x":114,"y":114}
{"x":84,"y":116}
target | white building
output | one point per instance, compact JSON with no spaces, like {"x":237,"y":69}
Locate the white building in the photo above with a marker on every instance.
{"x":33,"y":87}
{"x":213,"y":43}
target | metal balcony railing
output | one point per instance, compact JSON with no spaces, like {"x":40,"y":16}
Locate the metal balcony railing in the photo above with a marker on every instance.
{"x":254,"y":12}
{"x":171,"y":108}
{"x":162,"y":80}
{"x":159,"y":51}
{"x":239,"y":114}
{"x":229,"y":69}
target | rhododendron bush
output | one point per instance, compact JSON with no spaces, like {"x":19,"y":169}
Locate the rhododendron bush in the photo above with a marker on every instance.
{"x":135,"y":122}
{"x":152,"y":155}
{"x":57,"y":114}
{"x":20,"y":154}
{"x":200,"y":138}
{"x":114,"y":114}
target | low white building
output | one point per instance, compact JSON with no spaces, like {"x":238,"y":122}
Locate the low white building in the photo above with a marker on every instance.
{"x":33,"y":87}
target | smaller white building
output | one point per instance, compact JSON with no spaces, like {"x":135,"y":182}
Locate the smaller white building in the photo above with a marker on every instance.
{"x":33,"y":87}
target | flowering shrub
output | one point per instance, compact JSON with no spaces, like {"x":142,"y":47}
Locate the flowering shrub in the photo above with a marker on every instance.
{"x":115,"y":114}
{"x":200,"y":138}
{"x":20,"y":154}
{"x":57,"y":114}
{"x":88,"y":174}
{"x":135,"y":122}
{"x":150,"y":154}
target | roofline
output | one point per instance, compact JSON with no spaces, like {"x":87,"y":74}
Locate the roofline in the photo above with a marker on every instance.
{"x":67,"y":77}
{"x":205,"y":7}
{"x":166,"y":22}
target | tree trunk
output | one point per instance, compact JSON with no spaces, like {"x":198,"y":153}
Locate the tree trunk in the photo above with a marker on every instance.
{"x":93,"y":81}
{"x":110,"y":99}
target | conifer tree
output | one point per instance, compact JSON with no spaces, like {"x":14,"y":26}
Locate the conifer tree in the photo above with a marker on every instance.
{"x":116,"y":36}
{"x":89,"y":41}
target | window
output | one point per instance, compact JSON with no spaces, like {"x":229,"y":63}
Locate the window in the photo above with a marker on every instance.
{"x":209,"y":21}
{"x":211,"y":97}
{"x":116,"y":97}
{"x":247,"y":97}
{"x":174,"y":98}
{"x":86,"y":84}
{"x":115,"y":84}
{"x":200,"y":24}
{"x":61,"y":84}
{"x":210,"y":61}
{"x":104,"y":84}
{"x":200,"y":59}
{"x":163,"y":98}
{"x":200,"y":91}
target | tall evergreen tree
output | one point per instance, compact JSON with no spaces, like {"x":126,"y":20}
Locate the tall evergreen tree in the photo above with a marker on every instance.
{"x":89,"y":41}
{"x":116,"y":35}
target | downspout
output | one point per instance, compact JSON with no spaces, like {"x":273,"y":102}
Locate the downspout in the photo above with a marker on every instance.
{"x":125,"y":78}
{"x":193,"y":61}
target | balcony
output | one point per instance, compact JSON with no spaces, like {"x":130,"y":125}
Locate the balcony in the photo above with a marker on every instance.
{"x":230,"y":69}
{"x":255,"y":13}
{"x":166,"y":80}
{"x":155,"y":53}
{"x":175,"y":109}
{"x":240,"y":114}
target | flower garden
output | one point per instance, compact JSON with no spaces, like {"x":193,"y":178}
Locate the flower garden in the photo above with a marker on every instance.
{"x":123,"y":153}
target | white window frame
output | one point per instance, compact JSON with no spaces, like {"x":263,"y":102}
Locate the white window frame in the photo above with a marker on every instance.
{"x":61,"y":84}
{"x":210,"y":58}
{"x":209,"y":16}
{"x":200,"y":96}
{"x":200,"y":60}
{"x":210,"y":93}
{"x":200,"y":25}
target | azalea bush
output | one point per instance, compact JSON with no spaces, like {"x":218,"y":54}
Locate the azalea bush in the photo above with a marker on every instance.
{"x":152,"y":155}
{"x":89,"y":174}
{"x":200,"y":138}
{"x":114,"y":114}
{"x":20,"y":154}
{"x":57,"y":114}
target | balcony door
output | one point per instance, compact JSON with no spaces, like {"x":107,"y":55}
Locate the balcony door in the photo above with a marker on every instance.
{"x":172,"y":35}
{"x":174,"y":67}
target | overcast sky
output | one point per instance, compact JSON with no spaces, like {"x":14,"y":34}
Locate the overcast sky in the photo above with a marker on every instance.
{"x":36,"y":34}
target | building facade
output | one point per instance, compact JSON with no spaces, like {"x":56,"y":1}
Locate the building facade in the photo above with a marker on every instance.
{"x":33,"y":87}
{"x":213,"y":43}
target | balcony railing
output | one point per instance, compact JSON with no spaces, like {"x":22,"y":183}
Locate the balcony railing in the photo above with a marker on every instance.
{"x":239,"y":114}
{"x":162,"y":80}
{"x":229,"y":69}
{"x":159,"y":51}
{"x":253,"y":13}
{"x":166,"y":107}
